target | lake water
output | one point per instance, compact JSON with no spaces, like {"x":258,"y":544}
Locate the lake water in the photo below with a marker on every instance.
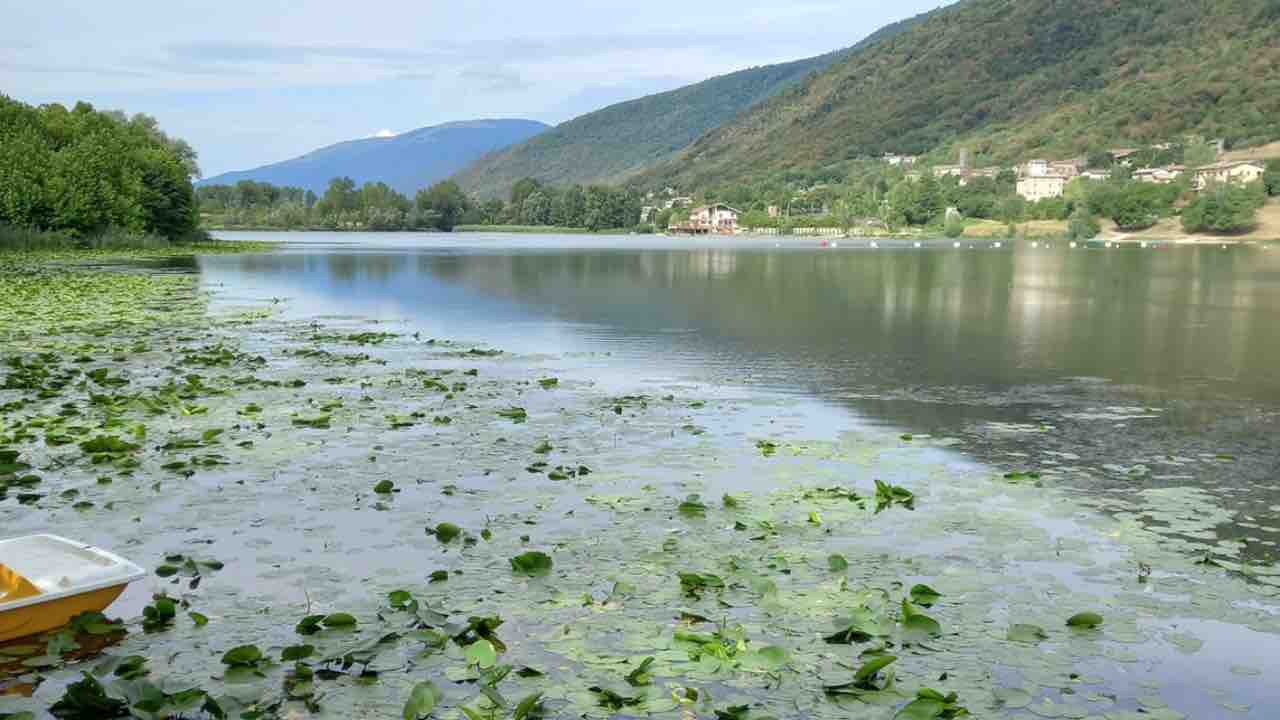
{"x":1134,"y":368}
{"x":761,"y":443}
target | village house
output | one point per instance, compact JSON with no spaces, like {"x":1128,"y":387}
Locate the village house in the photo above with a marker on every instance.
{"x":900,"y":160}
{"x":1043,"y":179}
{"x":1121,"y":155}
{"x":1241,"y":171}
{"x":1096,"y":174}
{"x":717,"y":218}
{"x":678,"y":202}
{"x":1042,"y":187}
{"x":774,"y":211}
{"x":1067,"y":168}
{"x":1159,"y":175}
{"x":941,"y":171}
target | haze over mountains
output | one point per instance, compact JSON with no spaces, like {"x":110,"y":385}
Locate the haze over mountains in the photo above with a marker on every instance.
{"x":407,"y":162}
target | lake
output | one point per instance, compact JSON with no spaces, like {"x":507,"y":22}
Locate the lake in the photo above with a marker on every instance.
{"x":1123,"y":357}
{"x":643,"y":476}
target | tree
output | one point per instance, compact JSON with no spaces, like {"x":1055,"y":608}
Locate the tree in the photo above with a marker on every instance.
{"x":1223,"y":207}
{"x":1199,"y":154}
{"x":1271,"y":180}
{"x":84,"y":171}
{"x":522,"y":190}
{"x":1082,"y":225}
{"x":537,"y":209}
{"x":445,"y":201}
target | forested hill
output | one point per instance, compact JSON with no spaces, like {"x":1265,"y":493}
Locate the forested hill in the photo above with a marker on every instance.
{"x":1011,"y":79}
{"x":407,"y":162}
{"x":612,"y":144}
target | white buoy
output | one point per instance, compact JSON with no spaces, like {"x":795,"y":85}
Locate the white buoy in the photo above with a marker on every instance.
{"x":1144,"y":245}
{"x":835,"y":244}
{"x":1035,"y":245}
{"x":1073,"y":244}
{"x":998,"y":245}
{"x":917,"y":243}
{"x":875,"y":244}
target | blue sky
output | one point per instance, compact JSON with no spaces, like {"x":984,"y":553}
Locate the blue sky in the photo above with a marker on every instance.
{"x":249,"y":83}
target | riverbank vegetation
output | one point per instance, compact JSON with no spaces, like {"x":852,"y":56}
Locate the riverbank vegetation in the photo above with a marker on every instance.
{"x":81,"y":177}
{"x":442,"y":207}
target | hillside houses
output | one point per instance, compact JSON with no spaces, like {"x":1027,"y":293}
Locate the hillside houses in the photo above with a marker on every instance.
{"x":1241,"y":171}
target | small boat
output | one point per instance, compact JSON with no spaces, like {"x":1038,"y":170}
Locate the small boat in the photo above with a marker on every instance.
{"x":45,"y":581}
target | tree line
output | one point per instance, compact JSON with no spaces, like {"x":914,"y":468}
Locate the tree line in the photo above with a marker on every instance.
{"x":375,"y":206}
{"x":84,"y":172}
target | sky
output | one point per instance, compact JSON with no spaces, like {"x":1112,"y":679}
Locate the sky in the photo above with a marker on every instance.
{"x":248,"y":82}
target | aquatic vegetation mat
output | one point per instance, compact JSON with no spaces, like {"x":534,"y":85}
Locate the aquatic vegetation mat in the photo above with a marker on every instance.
{"x":346,"y":520}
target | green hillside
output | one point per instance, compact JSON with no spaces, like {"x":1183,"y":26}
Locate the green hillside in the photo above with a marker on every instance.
{"x":1011,"y":79}
{"x":614,"y":143}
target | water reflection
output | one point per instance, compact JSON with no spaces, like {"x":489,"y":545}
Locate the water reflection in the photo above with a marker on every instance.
{"x":1123,"y":356}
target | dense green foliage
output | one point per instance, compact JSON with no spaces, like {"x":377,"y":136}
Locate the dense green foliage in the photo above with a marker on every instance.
{"x":376,"y":206}
{"x":372,"y":206}
{"x":1010,"y":80}
{"x":614,"y":143}
{"x":1225,"y":207}
{"x":85,"y":173}
{"x":594,"y":207}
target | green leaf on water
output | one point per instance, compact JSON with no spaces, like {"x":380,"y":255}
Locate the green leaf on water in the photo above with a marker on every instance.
{"x":422,"y":700}
{"x":482,"y":654}
{"x":837,"y":563}
{"x":386,"y":487}
{"x":532,"y":563}
{"x":916,"y":626}
{"x":692,"y":507}
{"x":447,"y":532}
{"x":773,"y":657}
{"x":1086,"y":620}
{"x":197,"y":618}
{"x":548,"y":383}
{"x":242,"y":656}
{"x":339,"y":620}
{"x":925,"y":595}
{"x":767,"y":448}
{"x":641,"y":676}
{"x":297,"y":652}
{"x":1024,"y":633}
{"x":514,"y":414}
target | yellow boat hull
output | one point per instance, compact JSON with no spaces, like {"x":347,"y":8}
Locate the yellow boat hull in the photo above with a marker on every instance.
{"x":43,"y":617}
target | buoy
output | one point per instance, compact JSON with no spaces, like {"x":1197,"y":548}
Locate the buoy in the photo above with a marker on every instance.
{"x":1073,"y":244}
{"x":1035,"y":245}
{"x":835,"y":244}
{"x":917,"y":243}
{"x":875,"y":244}
{"x":1144,"y":245}
{"x":998,"y":245}
{"x":955,"y":245}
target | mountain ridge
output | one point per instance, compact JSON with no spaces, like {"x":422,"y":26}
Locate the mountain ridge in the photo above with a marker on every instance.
{"x":1049,"y":77}
{"x":407,"y":162}
{"x":619,"y":141}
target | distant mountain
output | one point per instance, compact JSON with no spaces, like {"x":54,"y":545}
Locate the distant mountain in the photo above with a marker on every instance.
{"x":406,"y":162}
{"x":1009,"y":80}
{"x":615,"y":143}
